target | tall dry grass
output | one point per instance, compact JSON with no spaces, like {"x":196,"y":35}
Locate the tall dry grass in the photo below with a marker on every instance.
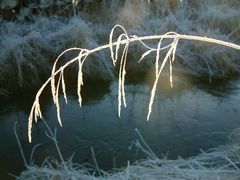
{"x":119,"y":51}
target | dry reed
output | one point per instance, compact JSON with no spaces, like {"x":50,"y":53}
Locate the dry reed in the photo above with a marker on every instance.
{"x":123,"y":40}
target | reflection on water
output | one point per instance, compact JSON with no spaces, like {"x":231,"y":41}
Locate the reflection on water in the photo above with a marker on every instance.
{"x":184,"y":120}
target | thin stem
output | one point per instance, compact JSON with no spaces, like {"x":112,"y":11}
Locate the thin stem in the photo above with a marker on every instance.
{"x":19,"y":144}
{"x":36,"y":111}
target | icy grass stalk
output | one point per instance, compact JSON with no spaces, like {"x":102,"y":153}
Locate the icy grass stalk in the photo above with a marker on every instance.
{"x":122,"y":69}
{"x":84,"y":53}
{"x":81,"y":60}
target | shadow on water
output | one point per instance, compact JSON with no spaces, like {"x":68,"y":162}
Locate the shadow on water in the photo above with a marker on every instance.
{"x":184,"y":119}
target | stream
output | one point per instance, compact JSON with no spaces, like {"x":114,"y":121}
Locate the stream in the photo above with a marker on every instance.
{"x":185,"y":119}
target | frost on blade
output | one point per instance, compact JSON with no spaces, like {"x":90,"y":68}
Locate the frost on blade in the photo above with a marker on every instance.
{"x":114,"y":56}
{"x":63,"y":86}
{"x":169,"y":56}
{"x":81,"y":58}
{"x":80,"y":82}
{"x":35,"y":112}
{"x":57,"y":100}
{"x":121,"y":80}
{"x":122,"y":68}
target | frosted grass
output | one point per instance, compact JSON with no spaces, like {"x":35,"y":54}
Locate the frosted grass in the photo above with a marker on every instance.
{"x":29,"y":48}
{"x":30,"y":44}
{"x":117,"y":55}
{"x":215,"y":164}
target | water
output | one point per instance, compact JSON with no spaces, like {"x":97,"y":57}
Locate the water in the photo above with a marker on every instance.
{"x":189,"y":117}
{"x":184,"y":120}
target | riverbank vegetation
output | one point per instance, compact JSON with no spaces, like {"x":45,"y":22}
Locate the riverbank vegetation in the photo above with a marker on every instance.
{"x":31,"y":48}
{"x":31,"y":42}
{"x":219,"y":163}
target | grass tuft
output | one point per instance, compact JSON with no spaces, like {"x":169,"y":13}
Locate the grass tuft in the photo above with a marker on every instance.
{"x":215,"y":164}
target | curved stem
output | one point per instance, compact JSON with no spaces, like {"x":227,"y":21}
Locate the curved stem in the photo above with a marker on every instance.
{"x":36,"y":112}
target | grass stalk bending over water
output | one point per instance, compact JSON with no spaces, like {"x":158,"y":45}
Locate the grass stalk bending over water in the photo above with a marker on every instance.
{"x":119,"y":50}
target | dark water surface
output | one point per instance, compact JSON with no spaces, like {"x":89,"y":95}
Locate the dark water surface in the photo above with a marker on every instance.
{"x":184,"y":120}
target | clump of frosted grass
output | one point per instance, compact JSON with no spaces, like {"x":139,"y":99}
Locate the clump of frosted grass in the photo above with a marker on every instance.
{"x":205,"y":18}
{"x":29,"y":48}
{"x":218,"y":163}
